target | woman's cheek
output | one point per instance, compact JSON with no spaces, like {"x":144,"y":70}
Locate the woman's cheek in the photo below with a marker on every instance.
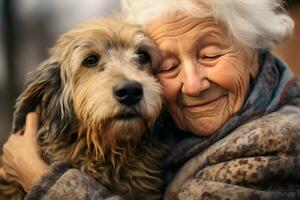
{"x":228,"y":74}
{"x":170,"y":89}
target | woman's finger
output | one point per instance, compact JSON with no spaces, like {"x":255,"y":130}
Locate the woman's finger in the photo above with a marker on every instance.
{"x":7,"y":163}
{"x":32,"y":124}
{"x":7,"y":176}
{"x":6,"y":152}
{"x":9,"y":171}
{"x":3,"y":174}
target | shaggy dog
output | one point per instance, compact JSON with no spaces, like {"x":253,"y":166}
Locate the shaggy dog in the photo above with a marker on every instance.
{"x":98,"y":101}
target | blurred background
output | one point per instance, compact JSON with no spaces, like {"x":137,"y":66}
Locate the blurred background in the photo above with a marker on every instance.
{"x":29,"y":27}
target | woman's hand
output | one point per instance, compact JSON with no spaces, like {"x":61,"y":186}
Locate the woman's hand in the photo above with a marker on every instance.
{"x":21,"y":160}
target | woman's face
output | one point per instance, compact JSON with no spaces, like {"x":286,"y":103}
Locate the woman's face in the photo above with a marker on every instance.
{"x":204,"y":74}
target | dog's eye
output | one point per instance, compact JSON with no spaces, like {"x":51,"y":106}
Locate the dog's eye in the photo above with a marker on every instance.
{"x":144,"y":57}
{"x":91,"y":61}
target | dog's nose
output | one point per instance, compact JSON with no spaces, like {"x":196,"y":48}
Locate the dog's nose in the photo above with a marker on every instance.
{"x":128,"y":92}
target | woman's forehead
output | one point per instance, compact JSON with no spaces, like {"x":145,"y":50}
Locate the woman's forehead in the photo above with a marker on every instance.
{"x":176,"y":25}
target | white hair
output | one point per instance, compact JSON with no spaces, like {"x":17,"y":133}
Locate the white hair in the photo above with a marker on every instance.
{"x":252,"y":23}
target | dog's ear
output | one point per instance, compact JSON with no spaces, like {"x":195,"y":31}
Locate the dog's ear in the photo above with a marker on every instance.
{"x":43,"y":83}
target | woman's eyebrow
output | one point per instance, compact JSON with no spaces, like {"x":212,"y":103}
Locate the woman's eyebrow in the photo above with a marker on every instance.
{"x":205,"y":39}
{"x":166,"y":53}
{"x":209,"y":38}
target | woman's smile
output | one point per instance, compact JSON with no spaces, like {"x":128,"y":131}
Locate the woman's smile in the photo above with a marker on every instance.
{"x":205,"y":105}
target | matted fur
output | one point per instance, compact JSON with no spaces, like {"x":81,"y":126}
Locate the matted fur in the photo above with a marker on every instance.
{"x":78,"y":111}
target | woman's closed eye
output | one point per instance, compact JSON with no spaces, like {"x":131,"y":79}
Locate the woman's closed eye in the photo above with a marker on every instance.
{"x":210,"y":53}
{"x":210,"y":57}
{"x":168,"y":66}
{"x":167,"y":69}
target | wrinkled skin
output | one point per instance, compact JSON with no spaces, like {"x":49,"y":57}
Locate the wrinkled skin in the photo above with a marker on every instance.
{"x":205,"y":75}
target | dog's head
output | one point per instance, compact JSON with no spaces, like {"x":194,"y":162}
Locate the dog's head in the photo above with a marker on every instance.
{"x":97,"y":80}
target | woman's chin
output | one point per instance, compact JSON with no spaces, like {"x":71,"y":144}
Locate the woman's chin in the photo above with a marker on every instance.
{"x":206,"y":126}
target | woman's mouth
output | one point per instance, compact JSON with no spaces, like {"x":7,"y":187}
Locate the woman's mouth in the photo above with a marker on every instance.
{"x":204,"y":105}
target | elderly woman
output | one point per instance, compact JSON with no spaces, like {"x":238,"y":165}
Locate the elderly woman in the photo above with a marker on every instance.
{"x":235,"y":105}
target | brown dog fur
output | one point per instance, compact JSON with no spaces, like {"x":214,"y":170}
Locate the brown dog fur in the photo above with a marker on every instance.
{"x":80,"y":118}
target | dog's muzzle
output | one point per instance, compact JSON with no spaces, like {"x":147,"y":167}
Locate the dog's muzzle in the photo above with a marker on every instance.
{"x":128,"y":92}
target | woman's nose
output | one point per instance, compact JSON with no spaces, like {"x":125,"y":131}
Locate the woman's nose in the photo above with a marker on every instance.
{"x":194,"y":80}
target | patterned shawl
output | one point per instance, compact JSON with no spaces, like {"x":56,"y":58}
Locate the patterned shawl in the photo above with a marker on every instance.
{"x":274,"y":86}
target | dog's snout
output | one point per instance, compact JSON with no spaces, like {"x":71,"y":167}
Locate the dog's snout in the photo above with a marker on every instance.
{"x":128,"y":92}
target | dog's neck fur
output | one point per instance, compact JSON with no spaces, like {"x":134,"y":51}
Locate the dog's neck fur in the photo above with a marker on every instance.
{"x":120,"y":168}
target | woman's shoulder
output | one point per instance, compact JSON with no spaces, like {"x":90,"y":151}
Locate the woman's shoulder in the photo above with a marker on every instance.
{"x":258,"y":147}
{"x":284,"y":119}
{"x":286,"y":115}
